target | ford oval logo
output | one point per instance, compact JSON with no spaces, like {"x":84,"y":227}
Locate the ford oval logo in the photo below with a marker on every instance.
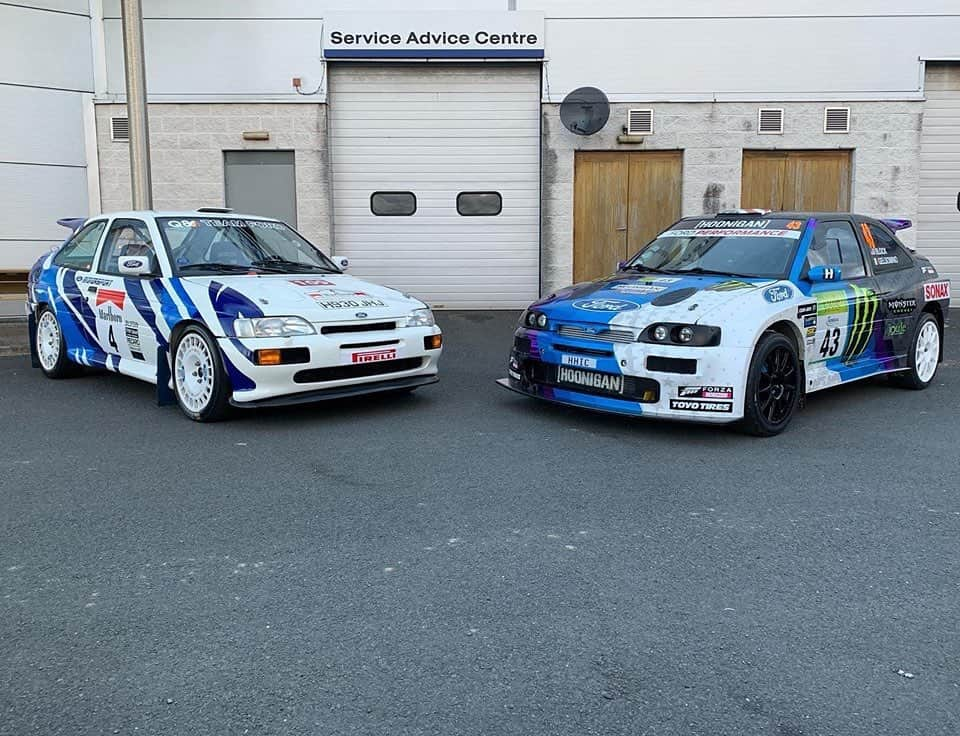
{"x":605,"y":305}
{"x":360,"y":315}
{"x":777,"y":294}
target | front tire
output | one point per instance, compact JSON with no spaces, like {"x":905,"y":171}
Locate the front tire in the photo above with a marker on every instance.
{"x":199,"y":381}
{"x":924,"y":355}
{"x":52,"y":348}
{"x":773,"y":386}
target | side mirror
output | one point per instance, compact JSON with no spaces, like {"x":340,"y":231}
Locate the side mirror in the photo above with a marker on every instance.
{"x":819,"y":274}
{"x":622,"y":265}
{"x":343,"y":263}
{"x":136,"y":266}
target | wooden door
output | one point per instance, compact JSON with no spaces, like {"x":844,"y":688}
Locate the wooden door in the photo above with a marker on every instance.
{"x":796,"y":180}
{"x":621,"y":201}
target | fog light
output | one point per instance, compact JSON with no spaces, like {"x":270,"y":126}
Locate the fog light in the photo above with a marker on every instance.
{"x":660,"y":333}
{"x":267,"y":357}
{"x":685,"y":334}
{"x":432,"y":342}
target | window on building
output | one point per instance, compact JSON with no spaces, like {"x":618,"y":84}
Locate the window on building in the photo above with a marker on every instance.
{"x":885,"y":251}
{"x":79,"y":251}
{"x":479,"y":204}
{"x":393,"y":204}
{"x":835,"y":244}
{"x":126,"y":238}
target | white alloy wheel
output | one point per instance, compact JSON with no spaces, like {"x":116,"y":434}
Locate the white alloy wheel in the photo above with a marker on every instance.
{"x":194,"y":372}
{"x":48,"y":341}
{"x":927,"y":351}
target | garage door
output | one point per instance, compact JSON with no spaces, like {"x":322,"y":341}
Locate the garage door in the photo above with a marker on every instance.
{"x":436,"y":179}
{"x":796,"y":180}
{"x":938,"y":222}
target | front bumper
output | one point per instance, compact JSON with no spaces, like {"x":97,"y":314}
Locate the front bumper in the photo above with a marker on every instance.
{"x":662,"y":381}
{"x":339,"y":365}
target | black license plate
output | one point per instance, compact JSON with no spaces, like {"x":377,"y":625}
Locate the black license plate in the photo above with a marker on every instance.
{"x":607,"y":383}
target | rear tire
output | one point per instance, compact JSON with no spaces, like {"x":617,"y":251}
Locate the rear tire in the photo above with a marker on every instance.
{"x":773,"y":386}
{"x":199,"y":381}
{"x":924,"y":355}
{"x":52,"y":348}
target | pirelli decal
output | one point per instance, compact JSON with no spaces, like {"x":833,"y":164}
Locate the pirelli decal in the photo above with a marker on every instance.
{"x":865,"y":304}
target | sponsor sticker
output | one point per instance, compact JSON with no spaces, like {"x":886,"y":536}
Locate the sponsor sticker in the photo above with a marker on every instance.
{"x":311,"y":282}
{"x":111,"y":296}
{"x":731,"y":285}
{"x":810,"y":321}
{"x":605,"y":305}
{"x":936,"y":290}
{"x":805,"y":310}
{"x":895,"y":328}
{"x":639,"y":288}
{"x":713,"y":407}
{"x":721,"y":232}
{"x":794,"y":225}
{"x":579,"y":361}
{"x":777,"y":294}
{"x":374,"y":356}
{"x":706,"y":392}
{"x":925,"y":270}
{"x":811,"y":331}
{"x":603,"y":381}
{"x":901,"y":305}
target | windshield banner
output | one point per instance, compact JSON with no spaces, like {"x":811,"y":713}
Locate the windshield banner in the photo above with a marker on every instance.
{"x":714,"y":232}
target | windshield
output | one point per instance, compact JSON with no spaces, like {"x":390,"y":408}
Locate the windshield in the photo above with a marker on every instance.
{"x":203,"y":245}
{"x":753,"y":248}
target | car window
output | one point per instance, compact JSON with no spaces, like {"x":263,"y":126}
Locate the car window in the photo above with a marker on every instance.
{"x":78,"y":252}
{"x":126,"y":238}
{"x":835,"y":244}
{"x":886,"y":253}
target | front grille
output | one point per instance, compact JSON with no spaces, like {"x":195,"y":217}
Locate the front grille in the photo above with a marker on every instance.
{"x":360,"y":370}
{"x":354,"y":327}
{"x":634,"y":387}
{"x":604,"y":334}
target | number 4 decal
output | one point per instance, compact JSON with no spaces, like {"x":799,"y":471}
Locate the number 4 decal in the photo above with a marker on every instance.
{"x":112,"y":340}
{"x":831,"y":343}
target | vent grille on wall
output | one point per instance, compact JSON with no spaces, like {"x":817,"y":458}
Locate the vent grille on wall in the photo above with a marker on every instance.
{"x":770,"y":120}
{"x":640,"y":122}
{"x":836,"y":120}
{"x":119,"y":129}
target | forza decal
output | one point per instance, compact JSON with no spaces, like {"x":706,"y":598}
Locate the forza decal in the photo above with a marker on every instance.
{"x":578,"y":361}
{"x":605,"y":305}
{"x":374,"y":356}
{"x":895,"y":328}
{"x":864,"y":310}
{"x":901,"y":305}
{"x":805,"y":310}
{"x":777,"y":294}
{"x":714,"y":407}
{"x":589,"y":379}
{"x":935,"y":291}
{"x":706,"y":392}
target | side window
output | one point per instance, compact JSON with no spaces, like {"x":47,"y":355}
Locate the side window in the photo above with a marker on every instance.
{"x":393,"y":204}
{"x":886,"y":253}
{"x":479,"y":204}
{"x":835,"y":244}
{"x":126,"y":238}
{"x":79,"y":251}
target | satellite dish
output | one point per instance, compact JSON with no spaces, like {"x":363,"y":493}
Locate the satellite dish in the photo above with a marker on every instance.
{"x":585,"y":111}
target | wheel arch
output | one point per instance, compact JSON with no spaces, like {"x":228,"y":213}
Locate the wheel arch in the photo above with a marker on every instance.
{"x":790,"y":331}
{"x":936,"y":310}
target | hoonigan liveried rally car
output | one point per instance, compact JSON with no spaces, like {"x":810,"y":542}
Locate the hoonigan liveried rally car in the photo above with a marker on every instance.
{"x":736,"y":317}
{"x":222,"y":309}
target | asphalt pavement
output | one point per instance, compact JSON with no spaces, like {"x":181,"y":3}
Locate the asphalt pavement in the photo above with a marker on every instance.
{"x":465,"y":561}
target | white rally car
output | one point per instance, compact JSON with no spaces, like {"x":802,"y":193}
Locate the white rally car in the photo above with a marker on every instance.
{"x":736,"y":317}
{"x":222,"y":309}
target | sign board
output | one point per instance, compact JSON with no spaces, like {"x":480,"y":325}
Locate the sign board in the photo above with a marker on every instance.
{"x":437,"y":35}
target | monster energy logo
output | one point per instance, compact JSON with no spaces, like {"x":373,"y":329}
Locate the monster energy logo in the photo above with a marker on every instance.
{"x":861,"y":328}
{"x":731,"y":285}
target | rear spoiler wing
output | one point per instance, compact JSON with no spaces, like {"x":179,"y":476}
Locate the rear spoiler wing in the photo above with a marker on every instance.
{"x":72,"y":223}
{"x":897,"y":224}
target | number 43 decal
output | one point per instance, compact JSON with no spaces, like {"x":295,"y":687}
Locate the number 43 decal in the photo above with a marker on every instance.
{"x":831,"y":343}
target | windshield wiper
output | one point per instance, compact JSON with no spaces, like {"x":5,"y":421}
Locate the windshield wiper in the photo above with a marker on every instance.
{"x":710,"y":272}
{"x":285,"y":266}
{"x":216,"y":267}
{"x":643,"y":269}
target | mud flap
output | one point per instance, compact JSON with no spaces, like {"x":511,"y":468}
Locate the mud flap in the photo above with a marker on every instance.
{"x":165,"y":395}
{"x":32,"y":332}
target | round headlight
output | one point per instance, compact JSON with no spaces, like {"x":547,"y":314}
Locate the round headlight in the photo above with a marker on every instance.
{"x":685,"y":334}
{"x":542,"y":320}
{"x":660,"y":333}
{"x":531,"y":319}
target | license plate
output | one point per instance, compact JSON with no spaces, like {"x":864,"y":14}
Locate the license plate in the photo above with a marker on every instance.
{"x":607,"y":382}
{"x":578,"y":361}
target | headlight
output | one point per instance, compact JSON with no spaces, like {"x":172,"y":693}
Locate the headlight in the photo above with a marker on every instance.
{"x":272,"y":327}
{"x":700,"y":336}
{"x":417,"y":318}
{"x":534,"y":320}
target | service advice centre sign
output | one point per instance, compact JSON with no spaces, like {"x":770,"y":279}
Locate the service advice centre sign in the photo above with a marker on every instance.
{"x":439,"y":35}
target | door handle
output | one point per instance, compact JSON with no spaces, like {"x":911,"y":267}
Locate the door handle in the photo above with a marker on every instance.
{"x":621,"y":229}
{"x":91,"y":289}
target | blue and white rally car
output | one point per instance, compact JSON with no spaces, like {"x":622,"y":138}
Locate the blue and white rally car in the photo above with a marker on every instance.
{"x":736,"y":317}
{"x":222,"y":309}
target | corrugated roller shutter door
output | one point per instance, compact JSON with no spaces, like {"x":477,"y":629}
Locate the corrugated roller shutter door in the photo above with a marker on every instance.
{"x":938,"y":224}
{"x":437,"y":131}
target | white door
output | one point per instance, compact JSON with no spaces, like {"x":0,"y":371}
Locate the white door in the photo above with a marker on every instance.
{"x":938,"y":223}
{"x":413,"y":142}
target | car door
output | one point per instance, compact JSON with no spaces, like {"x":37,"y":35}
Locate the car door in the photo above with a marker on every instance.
{"x":898,"y":284}
{"x":844,"y":329}
{"x":63,"y":288}
{"x":122,"y":330}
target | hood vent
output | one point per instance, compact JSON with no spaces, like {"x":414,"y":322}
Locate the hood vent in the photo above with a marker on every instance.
{"x":836,"y":120}
{"x":674,"y":297}
{"x":640,"y":122}
{"x":119,"y":129}
{"x":770,"y":120}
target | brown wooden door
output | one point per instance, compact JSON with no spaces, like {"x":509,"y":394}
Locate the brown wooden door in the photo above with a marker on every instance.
{"x":796,"y":180}
{"x":621,"y":201}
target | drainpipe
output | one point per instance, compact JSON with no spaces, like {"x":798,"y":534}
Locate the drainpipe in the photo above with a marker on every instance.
{"x":131,"y":14}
